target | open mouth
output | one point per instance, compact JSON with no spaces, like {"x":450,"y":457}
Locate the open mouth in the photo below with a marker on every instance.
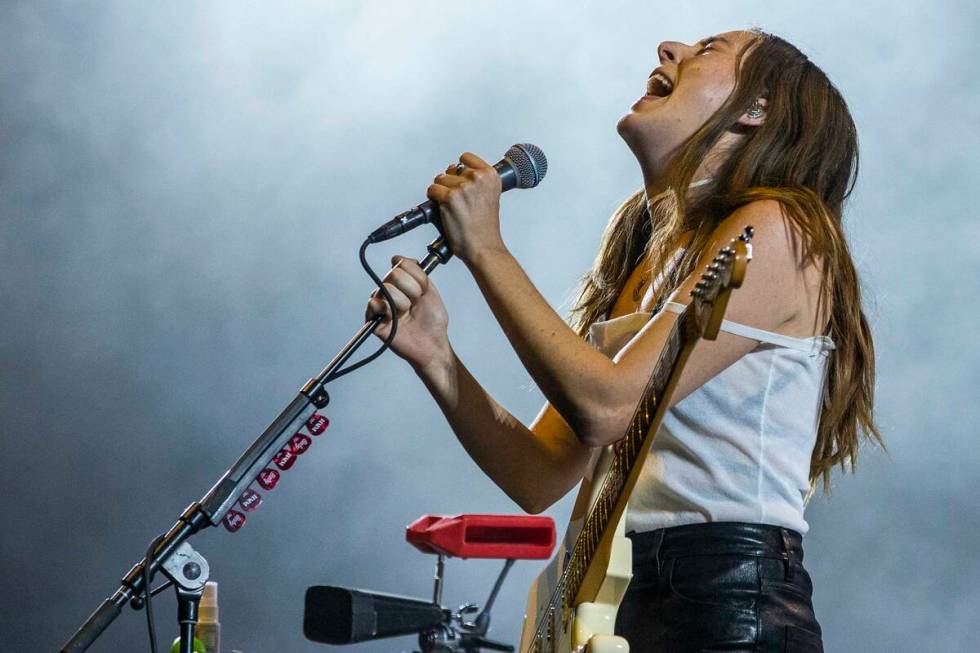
{"x":659,"y":85}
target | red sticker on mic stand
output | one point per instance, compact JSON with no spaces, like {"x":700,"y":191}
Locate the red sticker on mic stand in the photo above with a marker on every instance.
{"x":268,"y":478}
{"x":299,"y":443}
{"x":284,"y":459}
{"x":250,"y":500}
{"x":234,"y":520}
{"x":317,"y":423}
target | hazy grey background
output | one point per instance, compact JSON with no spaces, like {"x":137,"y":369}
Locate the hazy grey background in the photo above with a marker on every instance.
{"x":183,"y":187}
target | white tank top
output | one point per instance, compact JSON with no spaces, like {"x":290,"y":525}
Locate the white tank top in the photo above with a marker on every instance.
{"x":738,"y":448}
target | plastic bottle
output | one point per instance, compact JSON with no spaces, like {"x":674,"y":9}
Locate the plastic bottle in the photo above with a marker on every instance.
{"x":208,"y":627}
{"x":198,"y":646}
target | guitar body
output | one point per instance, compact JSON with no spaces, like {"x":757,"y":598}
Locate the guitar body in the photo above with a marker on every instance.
{"x":588,"y":627}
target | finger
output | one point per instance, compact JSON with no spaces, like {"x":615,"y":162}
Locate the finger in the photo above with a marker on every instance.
{"x":405,"y":283}
{"x":412,"y":267}
{"x":402,"y":302}
{"x":377,"y":306}
{"x":449,"y":181}
{"x":438,"y":193}
{"x":471,"y":160}
{"x":395,"y":293}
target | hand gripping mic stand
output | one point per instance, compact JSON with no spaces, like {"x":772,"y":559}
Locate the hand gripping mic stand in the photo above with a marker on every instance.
{"x":171,"y":553}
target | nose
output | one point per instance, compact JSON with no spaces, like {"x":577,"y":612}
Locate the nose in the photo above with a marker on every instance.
{"x":671,"y":51}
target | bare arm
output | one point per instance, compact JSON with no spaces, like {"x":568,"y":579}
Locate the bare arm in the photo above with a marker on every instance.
{"x":534,"y":466}
{"x":595,"y":395}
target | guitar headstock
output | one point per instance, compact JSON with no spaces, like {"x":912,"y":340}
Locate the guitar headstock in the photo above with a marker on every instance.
{"x":725,"y":272}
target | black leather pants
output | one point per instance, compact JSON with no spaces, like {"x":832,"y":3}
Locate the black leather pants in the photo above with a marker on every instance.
{"x":723,"y":586}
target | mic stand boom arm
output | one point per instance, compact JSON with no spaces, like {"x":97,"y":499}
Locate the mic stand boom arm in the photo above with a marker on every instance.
{"x":212,"y":508}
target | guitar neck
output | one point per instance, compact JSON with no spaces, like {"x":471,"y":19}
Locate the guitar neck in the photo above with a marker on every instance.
{"x":629,"y":455}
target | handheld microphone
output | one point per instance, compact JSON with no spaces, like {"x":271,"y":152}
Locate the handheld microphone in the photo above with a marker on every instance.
{"x":523,"y":166}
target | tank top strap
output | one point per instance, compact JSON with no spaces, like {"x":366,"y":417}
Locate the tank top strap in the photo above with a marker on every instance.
{"x":812,"y":346}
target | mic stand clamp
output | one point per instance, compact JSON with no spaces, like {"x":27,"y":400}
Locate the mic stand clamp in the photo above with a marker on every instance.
{"x":459,"y":635}
{"x":189,"y":572}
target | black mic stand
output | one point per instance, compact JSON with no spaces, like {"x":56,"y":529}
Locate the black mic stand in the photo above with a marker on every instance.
{"x":183,"y":566}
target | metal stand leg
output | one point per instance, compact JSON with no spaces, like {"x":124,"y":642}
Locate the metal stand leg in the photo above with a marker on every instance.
{"x":187,"y":603}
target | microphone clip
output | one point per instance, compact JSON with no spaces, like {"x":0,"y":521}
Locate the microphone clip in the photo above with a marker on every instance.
{"x":427,"y":212}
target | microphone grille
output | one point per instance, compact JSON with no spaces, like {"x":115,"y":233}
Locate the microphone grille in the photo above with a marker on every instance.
{"x":529,"y":163}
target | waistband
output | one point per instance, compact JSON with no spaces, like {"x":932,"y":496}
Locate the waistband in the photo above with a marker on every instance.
{"x":716,"y":538}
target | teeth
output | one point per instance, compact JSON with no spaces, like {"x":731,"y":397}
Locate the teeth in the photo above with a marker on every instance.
{"x":661,"y":80}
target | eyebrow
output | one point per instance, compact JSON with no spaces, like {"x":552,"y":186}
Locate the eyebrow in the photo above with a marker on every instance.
{"x":712,"y":39}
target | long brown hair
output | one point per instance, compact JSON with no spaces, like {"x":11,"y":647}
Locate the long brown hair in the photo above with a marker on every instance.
{"x":805,"y":157}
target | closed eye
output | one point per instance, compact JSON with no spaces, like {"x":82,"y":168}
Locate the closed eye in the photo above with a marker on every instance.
{"x":708,"y":42}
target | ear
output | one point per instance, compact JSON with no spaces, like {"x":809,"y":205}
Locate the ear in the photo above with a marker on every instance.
{"x":756,"y":118}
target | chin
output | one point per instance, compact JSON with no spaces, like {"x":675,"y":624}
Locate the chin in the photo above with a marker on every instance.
{"x":630,"y":130}
{"x":626,"y":126}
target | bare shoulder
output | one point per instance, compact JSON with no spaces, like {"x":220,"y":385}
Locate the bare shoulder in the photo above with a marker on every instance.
{"x":775,"y":233}
{"x":779,"y":291}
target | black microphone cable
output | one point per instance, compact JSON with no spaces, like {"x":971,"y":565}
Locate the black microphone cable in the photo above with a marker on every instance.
{"x":362,"y":254}
{"x":148,"y":595}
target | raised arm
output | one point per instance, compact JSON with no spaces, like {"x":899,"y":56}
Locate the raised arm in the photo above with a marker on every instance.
{"x":595,"y":395}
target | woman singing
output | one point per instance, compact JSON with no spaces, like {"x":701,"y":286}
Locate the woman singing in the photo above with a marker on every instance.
{"x":737,"y":129}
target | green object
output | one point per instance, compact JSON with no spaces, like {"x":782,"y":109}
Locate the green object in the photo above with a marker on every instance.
{"x":198,"y":646}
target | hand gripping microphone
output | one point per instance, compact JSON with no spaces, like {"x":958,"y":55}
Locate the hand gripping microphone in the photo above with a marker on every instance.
{"x":523,"y":166}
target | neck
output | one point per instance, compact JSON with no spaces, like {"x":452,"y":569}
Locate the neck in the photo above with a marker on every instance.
{"x":656,"y":185}
{"x":654,"y":168}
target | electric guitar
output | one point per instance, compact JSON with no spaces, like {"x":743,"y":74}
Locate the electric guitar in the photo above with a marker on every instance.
{"x":573,"y":603}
